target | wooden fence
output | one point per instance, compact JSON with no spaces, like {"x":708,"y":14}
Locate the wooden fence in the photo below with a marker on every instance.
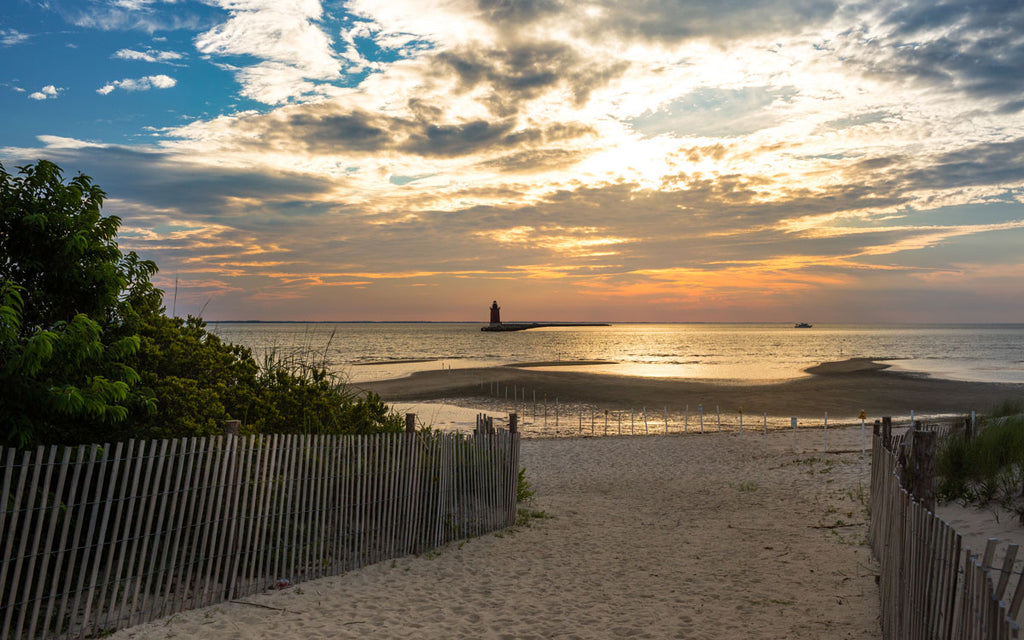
{"x":98,"y":538}
{"x":930,"y":586}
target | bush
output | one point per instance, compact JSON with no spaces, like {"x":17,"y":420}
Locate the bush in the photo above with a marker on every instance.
{"x":989,"y":467}
{"x":88,"y":355}
{"x":198,"y":381}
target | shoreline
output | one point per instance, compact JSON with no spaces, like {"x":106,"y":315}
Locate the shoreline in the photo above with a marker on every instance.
{"x":842,"y":388}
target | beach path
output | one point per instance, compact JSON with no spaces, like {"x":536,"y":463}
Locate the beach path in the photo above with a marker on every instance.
{"x":714,"y":536}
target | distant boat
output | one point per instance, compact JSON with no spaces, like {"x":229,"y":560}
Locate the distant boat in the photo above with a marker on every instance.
{"x":802,"y":325}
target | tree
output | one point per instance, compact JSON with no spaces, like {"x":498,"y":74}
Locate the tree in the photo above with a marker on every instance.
{"x":67,"y":310}
{"x":87,"y":353}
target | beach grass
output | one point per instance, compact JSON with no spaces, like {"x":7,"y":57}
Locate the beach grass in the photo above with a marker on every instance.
{"x":988,"y":467}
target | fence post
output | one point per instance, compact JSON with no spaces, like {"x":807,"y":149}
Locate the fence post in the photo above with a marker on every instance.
{"x":412,"y":486}
{"x":923,"y":455}
{"x":863,"y":437}
{"x":513,"y":423}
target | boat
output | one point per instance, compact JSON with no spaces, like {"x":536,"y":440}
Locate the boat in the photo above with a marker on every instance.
{"x":802,"y":325}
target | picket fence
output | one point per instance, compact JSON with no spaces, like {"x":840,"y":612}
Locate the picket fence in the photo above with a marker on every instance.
{"x":98,"y":538}
{"x":930,"y":586}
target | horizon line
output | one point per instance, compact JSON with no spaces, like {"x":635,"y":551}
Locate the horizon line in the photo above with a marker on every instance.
{"x":608,"y":322}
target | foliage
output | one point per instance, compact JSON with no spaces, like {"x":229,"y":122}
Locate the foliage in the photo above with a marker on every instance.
{"x":1008,"y":408}
{"x":296,"y":396}
{"x":524,"y":494}
{"x":87,"y":353}
{"x":197,"y":380}
{"x":987,"y":468}
{"x":67,"y":309}
{"x":524,"y":491}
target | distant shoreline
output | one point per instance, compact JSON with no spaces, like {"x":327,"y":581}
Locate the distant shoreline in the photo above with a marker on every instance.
{"x":783,"y":323}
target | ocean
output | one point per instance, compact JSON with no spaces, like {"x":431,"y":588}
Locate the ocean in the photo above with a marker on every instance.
{"x":720,"y":352}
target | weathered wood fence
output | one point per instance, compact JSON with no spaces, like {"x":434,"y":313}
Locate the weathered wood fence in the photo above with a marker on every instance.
{"x":931,"y":587}
{"x":98,"y":538}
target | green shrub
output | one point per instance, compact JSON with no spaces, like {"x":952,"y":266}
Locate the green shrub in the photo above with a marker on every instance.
{"x":524,"y":491}
{"x":987,"y":468}
{"x":1008,"y":408}
{"x":87,"y":353}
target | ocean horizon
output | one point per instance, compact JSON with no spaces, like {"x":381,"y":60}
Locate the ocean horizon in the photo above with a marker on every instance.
{"x":740,"y":352}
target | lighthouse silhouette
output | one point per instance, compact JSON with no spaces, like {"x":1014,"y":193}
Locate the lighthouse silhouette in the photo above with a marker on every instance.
{"x":495,"y":314}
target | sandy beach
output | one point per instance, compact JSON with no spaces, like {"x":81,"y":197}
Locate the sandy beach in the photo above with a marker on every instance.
{"x":688,"y":536}
{"x":721,"y":535}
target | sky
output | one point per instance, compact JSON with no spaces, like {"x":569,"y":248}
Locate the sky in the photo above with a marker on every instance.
{"x":650,"y":160}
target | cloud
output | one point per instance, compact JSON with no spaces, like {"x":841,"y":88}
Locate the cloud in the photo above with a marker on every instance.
{"x":662,"y":154}
{"x":512,"y":75}
{"x":150,"y":55}
{"x":290,"y":45}
{"x":325,"y":128}
{"x":144,"y":83}
{"x":990,"y":163}
{"x":133,"y":15}
{"x":46,"y":93}
{"x":973,"y":48}
{"x":11,"y":37}
{"x":674,"y":21}
{"x":713,"y":112}
{"x":519,"y":12}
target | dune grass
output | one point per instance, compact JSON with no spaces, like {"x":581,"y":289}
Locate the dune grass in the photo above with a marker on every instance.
{"x":989,"y":467}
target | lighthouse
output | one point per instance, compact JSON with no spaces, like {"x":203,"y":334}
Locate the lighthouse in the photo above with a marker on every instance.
{"x":495,"y":314}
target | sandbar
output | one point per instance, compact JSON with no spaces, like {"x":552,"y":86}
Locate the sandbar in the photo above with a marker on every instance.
{"x":840,"y":388}
{"x":383,"y":362}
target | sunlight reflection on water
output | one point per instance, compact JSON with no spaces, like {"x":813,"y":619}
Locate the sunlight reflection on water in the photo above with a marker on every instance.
{"x":743,"y":353}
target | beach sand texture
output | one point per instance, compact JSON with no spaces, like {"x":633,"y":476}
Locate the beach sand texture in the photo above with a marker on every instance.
{"x":685,"y":536}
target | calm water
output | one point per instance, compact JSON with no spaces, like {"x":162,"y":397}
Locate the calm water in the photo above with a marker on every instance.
{"x":372,"y":351}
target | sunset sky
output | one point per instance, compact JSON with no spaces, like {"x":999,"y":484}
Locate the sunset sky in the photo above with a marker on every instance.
{"x":651,"y":160}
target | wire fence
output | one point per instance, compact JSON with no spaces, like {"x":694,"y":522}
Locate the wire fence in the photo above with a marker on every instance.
{"x":98,"y":538}
{"x":541,"y":414}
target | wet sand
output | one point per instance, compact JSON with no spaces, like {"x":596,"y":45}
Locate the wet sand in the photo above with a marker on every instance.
{"x":842,"y":389}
